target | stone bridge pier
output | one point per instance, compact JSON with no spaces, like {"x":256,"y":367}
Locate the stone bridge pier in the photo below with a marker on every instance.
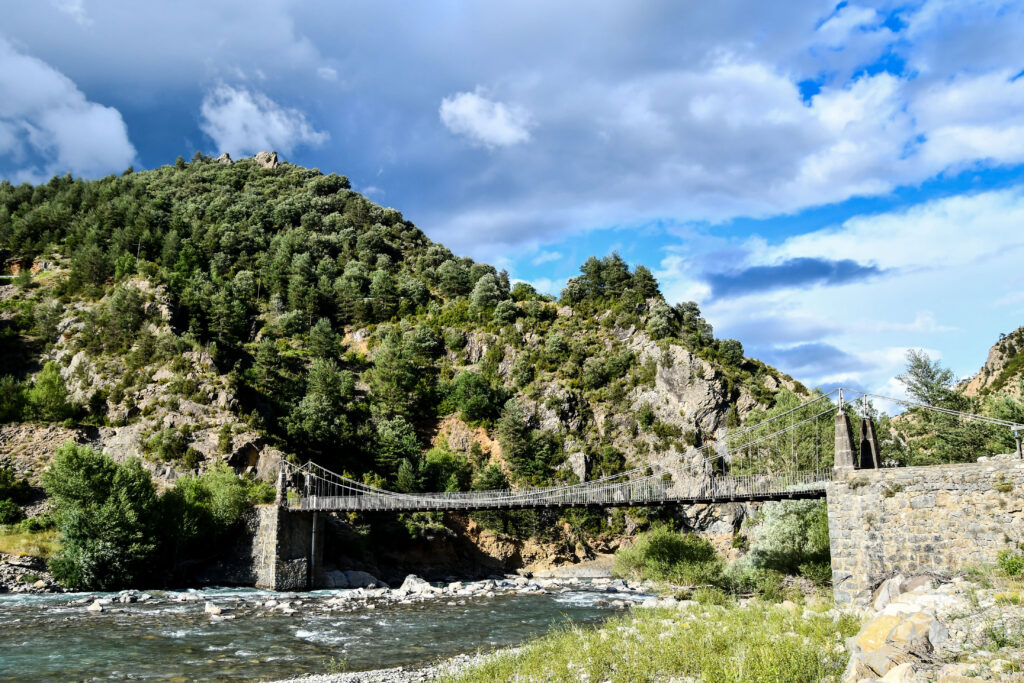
{"x":936,"y":519}
{"x":288,"y":549}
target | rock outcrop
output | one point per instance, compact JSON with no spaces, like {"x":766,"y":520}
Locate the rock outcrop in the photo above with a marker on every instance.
{"x":925,"y":629}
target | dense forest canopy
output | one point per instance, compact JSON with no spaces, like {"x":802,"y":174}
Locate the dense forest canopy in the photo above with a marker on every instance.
{"x":270,"y":271}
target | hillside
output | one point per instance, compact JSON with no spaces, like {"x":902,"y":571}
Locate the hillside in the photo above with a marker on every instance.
{"x":1003,"y":371}
{"x":253,"y":310}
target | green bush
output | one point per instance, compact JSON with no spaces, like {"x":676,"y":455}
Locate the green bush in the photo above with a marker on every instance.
{"x":1011,"y":562}
{"x":793,"y":535}
{"x":107,"y":517}
{"x":663,"y":555}
{"x":12,"y":487}
{"x":10,"y":512}
{"x":48,"y":397}
{"x":200,"y":510}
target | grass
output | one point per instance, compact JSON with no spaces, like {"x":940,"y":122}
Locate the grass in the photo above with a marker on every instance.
{"x":757,"y":642}
{"x":34,"y":543}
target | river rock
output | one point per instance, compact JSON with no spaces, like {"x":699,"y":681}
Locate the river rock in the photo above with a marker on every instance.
{"x":211,"y":608}
{"x":96,"y":606}
{"x":414,"y":585}
{"x":334,"y":579}
{"x":357,"y":579}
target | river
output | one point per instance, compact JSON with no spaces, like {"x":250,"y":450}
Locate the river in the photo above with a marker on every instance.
{"x":172,"y":637}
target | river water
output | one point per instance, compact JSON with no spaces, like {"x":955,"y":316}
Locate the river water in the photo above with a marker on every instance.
{"x":172,"y":638}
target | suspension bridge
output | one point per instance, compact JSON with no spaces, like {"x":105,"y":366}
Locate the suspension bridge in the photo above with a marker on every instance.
{"x":792,"y":455}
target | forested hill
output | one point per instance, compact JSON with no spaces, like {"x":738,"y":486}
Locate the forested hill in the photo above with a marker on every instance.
{"x":252,"y":310}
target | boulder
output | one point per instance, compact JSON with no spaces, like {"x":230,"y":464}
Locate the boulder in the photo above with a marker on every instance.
{"x":916,"y":632}
{"x":96,"y":606}
{"x":885,"y":593}
{"x":211,"y":608}
{"x":358,"y":579}
{"x":334,"y":579}
{"x":414,"y":585}
{"x":902,"y":673}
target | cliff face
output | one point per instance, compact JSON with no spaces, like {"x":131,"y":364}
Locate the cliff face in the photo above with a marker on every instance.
{"x":1003,"y":371}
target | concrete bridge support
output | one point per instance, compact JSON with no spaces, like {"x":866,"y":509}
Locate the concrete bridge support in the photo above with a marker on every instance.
{"x":288,"y":548}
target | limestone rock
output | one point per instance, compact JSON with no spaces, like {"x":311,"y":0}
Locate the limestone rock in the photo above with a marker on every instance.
{"x":224,"y":158}
{"x":415,"y":585}
{"x":902,"y":673}
{"x":267,"y":159}
{"x":96,"y":606}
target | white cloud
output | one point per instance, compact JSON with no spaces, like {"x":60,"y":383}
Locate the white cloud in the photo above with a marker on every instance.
{"x":47,"y":126}
{"x":327,"y":73}
{"x":74,"y":9}
{"x":483,"y":121}
{"x":546,"y":257}
{"x":950,"y":272}
{"x":836,"y":30}
{"x":242,"y":121}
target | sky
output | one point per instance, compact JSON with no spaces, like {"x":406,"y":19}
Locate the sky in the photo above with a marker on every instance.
{"x":833,"y":183}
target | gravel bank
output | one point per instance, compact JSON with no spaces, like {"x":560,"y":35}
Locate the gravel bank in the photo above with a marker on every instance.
{"x":401,"y":674}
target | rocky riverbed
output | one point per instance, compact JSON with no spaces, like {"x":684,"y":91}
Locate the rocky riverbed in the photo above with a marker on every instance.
{"x":248,"y":635}
{"x":24,"y":574}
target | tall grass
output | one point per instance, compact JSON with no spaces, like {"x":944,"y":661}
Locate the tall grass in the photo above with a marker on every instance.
{"x":34,"y":543}
{"x":758,"y":642}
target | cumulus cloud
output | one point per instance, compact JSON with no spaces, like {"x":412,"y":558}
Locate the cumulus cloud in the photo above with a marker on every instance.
{"x":242,"y":121}
{"x":546,"y":257}
{"x":923,"y":293}
{"x":485,"y":122}
{"x":47,"y":126}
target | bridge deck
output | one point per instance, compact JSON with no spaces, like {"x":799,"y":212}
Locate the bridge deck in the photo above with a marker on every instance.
{"x":634,"y":493}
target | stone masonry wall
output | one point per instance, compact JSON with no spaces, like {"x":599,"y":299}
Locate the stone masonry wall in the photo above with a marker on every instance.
{"x":917,"y":520}
{"x":282,"y":546}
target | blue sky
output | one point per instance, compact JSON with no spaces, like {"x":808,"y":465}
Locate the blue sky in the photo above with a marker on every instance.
{"x":833,"y":183}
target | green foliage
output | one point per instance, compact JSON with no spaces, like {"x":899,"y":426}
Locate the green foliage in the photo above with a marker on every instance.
{"x":10,"y":512}
{"x":12,"y":487}
{"x":663,"y":555}
{"x":473,"y":396}
{"x":1010,"y":562}
{"x":396,"y":443}
{"x":200,"y":512}
{"x":923,"y":437}
{"x":707,"y":643}
{"x":323,"y":417}
{"x":48,"y":397}
{"x":793,"y":538}
{"x":445,"y":471}
{"x":173,"y":445}
{"x":107,"y":515}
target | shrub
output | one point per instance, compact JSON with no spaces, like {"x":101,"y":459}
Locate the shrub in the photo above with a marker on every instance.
{"x":106,"y":514}
{"x":13,"y":488}
{"x":663,"y":555}
{"x":1010,"y":562}
{"x":793,"y":534}
{"x":10,"y":512}
{"x":200,"y":510}
{"x":48,"y":397}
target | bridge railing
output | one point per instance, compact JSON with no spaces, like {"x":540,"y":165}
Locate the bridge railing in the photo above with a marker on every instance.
{"x":642,"y":491}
